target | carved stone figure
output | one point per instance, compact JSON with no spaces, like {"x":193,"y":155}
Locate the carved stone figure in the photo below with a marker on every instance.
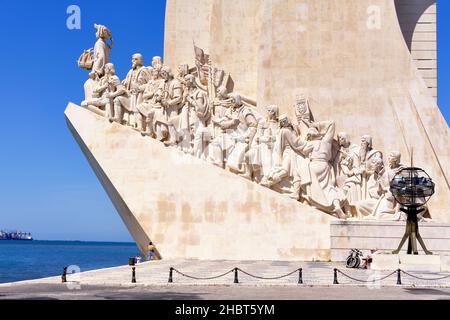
{"x":365,"y":154}
{"x":317,"y":176}
{"x":240,"y":125}
{"x":221,"y":102}
{"x":157,"y":63}
{"x":366,"y":207}
{"x":134,"y":82}
{"x":381,"y":205}
{"x":259,"y":159}
{"x":150,"y":110}
{"x":101,"y":50}
{"x":108,"y":89}
{"x":197,"y":108}
{"x":348,"y":176}
{"x":280,"y":176}
{"x":171,"y":97}
{"x":89,"y":86}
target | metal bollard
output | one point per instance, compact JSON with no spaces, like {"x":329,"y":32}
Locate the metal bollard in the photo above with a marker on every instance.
{"x":64,"y":275}
{"x":236,"y":280}
{"x":133,"y":275}
{"x":170,"y":275}
{"x":335,"y":280}
{"x":300,"y":276}
{"x":399,"y":277}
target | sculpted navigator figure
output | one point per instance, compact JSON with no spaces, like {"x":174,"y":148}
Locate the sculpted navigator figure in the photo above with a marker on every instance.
{"x":240,"y":126}
{"x":317,"y":177}
{"x":101,"y":50}
{"x":171,"y":97}
{"x":366,"y":153}
{"x":348,"y":176}
{"x":150,"y":110}
{"x":157,"y":63}
{"x":135,"y":82}
{"x":280,"y":176}
{"x":365,"y":208}
{"x":259,"y":160}
{"x":199,"y":115}
{"x":381,"y":204}
{"x":221,"y":102}
{"x":108,"y":90}
{"x":388,"y":208}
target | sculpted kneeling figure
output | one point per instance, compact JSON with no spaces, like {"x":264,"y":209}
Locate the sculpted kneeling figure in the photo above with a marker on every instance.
{"x":107,"y":91}
{"x":278,"y":177}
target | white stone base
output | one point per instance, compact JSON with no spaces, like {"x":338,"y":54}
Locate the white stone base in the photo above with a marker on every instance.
{"x":385,"y":236}
{"x":385,"y":262}
{"x":409,"y":263}
{"x":428,"y":263}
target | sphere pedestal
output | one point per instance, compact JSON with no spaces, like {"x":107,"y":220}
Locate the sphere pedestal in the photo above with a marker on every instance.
{"x":412,"y":233}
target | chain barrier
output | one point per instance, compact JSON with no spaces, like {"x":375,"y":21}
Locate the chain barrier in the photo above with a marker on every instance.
{"x":398,"y":272}
{"x":269,"y":278}
{"x":200,"y":278}
{"x":426,"y":279}
{"x":366,"y":281}
{"x":235,"y":270}
{"x":300,"y":279}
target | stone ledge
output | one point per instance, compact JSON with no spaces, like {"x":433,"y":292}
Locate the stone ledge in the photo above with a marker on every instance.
{"x":410,"y":263}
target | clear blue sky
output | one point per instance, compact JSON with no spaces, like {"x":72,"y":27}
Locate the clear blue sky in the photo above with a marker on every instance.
{"x":47,"y":186}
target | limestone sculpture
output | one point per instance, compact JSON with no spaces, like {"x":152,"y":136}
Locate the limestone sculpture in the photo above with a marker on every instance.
{"x":198,"y":113}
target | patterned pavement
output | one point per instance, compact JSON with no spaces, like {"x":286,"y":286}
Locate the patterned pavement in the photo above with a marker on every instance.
{"x":156,"y":273}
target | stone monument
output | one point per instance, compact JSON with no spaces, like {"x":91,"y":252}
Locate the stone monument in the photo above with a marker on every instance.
{"x":243,"y":154}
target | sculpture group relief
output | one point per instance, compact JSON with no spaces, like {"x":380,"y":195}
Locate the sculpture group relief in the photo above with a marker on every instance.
{"x":198,"y":112}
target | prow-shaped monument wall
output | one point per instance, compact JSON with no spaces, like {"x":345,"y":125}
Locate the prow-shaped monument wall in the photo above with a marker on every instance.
{"x":192,"y":210}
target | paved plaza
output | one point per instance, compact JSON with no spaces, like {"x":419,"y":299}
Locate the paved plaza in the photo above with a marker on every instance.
{"x":257,"y":280}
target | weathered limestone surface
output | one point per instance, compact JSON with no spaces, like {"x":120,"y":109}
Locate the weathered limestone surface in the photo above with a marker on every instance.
{"x":361,"y":75}
{"x":191,"y":209}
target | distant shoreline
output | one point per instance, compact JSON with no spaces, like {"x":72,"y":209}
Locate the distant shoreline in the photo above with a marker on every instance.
{"x":73,"y":241}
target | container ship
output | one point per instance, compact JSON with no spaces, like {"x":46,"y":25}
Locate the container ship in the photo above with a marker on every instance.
{"x":16,"y":235}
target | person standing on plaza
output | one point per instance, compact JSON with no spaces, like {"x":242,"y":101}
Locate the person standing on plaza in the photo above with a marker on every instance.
{"x":150,"y":250}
